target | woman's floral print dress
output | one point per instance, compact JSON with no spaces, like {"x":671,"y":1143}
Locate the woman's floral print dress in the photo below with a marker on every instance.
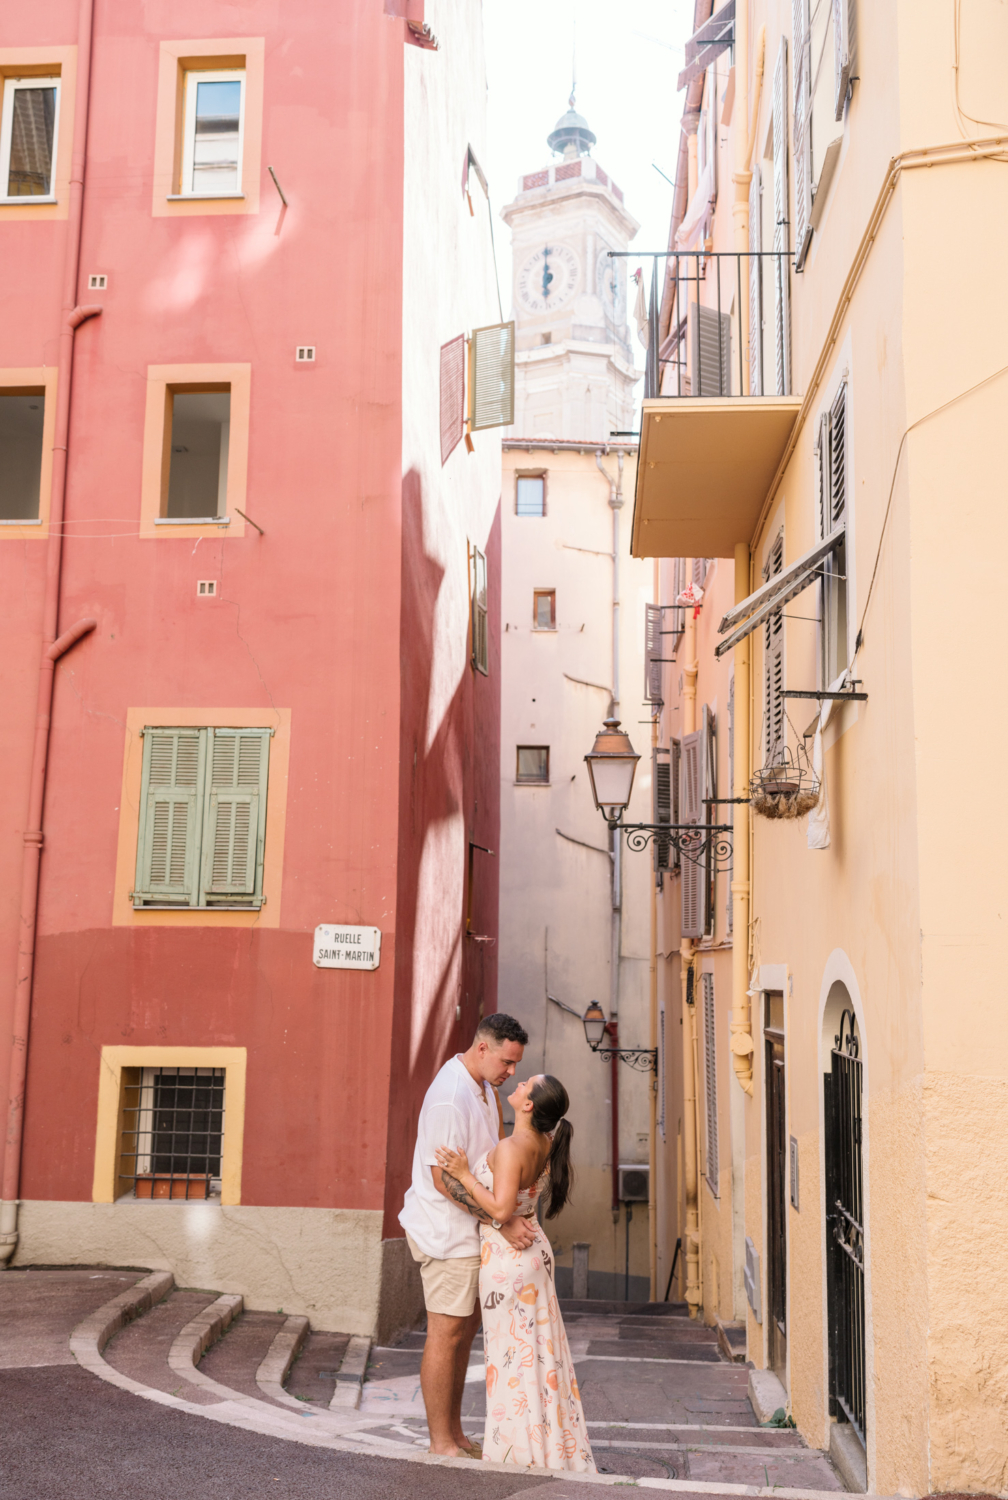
{"x":534,"y":1415}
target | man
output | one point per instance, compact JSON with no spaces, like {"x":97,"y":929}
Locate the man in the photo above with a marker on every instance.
{"x":461,"y":1110}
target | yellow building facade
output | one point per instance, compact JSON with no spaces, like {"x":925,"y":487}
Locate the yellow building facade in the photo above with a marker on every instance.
{"x":822,"y":429}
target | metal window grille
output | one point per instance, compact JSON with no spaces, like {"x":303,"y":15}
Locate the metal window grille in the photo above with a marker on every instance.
{"x":845,"y":1228}
{"x":172,"y":1133}
{"x":710,"y":1084}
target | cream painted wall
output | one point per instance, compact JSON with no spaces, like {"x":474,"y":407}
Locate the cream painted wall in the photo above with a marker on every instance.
{"x":905,"y":908}
{"x":555,"y":866}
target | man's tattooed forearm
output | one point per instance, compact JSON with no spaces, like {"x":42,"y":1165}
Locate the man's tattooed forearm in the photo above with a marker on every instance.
{"x":464,"y":1199}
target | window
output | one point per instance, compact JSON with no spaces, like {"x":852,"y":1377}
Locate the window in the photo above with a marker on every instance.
{"x":212,"y":130}
{"x":21,"y":418}
{"x":831,"y":454}
{"x":202,"y":827}
{"x":690,"y":784}
{"x":200,"y":441}
{"x":708,"y":814}
{"x":544,"y":609}
{"x":773,"y":665}
{"x":530,"y":495}
{"x":533,"y":764}
{"x":478,"y":611}
{"x":661,"y":808}
{"x":29,"y":124}
{"x":712,"y":1171}
{"x":172,"y":1136}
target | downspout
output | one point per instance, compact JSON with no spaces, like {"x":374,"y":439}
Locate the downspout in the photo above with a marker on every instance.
{"x":691,"y":1231}
{"x":616,"y":505}
{"x":51,"y":650}
{"x":741,"y":1025}
{"x":744,"y":138}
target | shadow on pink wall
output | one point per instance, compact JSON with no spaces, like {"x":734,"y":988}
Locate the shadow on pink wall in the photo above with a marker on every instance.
{"x":459,"y":773}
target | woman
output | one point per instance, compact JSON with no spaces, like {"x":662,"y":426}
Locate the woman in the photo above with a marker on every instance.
{"x":534,"y":1414}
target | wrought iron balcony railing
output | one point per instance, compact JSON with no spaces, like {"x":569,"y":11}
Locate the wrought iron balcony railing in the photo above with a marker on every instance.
{"x":702,"y":355}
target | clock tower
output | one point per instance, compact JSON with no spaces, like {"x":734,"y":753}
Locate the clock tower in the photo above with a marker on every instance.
{"x":574,"y":366}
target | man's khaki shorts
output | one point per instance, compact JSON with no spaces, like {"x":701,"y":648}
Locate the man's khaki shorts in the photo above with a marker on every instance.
{"x":450,"y":1286}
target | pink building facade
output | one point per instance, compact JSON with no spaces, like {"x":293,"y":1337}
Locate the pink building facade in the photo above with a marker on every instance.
{"x":280,"y":717}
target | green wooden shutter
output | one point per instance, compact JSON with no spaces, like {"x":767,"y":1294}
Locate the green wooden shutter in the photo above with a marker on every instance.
{"x":171,"y":806}
{"x":235,"y":816}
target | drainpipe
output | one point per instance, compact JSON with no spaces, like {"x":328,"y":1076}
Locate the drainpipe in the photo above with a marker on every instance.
{"x":691,"y":1236}
{"x":616,"y":505}
{"x":51,"y":650}
{"x":741,"y":1025}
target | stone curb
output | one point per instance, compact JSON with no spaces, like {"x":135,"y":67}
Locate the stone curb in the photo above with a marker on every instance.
{"x":90,"y":1337}
{"x":766,"y":1394}
{"x":192,"y":1342}
{"x":350,"y":1375}
{"x":251,"y":1415}
{"x":280,"y":1355}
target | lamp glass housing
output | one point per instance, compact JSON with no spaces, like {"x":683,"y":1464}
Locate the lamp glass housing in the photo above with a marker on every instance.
{"x":612,"y":763}
{"x":594,"y":1025}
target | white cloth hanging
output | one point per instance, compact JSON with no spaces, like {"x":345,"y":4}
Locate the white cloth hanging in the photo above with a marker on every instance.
{"x":640,"y":312}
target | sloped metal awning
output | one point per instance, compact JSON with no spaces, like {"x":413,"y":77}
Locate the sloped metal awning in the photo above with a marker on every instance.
{"x":705,"y":466}
{"x":750,"y":613}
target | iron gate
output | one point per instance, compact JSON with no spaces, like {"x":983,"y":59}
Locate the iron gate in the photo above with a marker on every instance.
{"x":845,"y":1229}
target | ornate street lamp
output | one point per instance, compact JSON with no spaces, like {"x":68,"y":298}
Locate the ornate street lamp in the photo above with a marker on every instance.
{"x":597,"y":1029}
{"x":612,"y":762}
{"x":611,"y":766}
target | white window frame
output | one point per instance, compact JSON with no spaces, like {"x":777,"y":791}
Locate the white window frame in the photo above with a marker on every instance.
{"x":10,"y":88}
{"x":193,"y":78}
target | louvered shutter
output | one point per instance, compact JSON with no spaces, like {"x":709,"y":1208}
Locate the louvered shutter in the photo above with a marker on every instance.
{"x":452,"y":395}
{"x":801,"y":78}
{"x":235,"y":815}
{"x":171,"y":802}
{"x":675,"y":619}
{"x":491,"y":376}
{"x":782,"y":319}
{"x":731,"y":787}
{"x":661,"y":1069}
{"x":699,"y":571}
{"x":710,"y":1082}
{"x":675,"y":759}
{"x":710,"y":372}
{"x":773,"y":665}
{"x":838,"y":458}
{"x":661,"y":793}
{"x":653,"y":653}
{"x":690,"y":774}
{"x":844,"y":36}
{"x":478,"y":611}
{"x":708,"y":790}
{"x":755,"y":283}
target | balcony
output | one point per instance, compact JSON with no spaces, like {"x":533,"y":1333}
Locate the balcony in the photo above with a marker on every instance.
{"x":714,"y":424}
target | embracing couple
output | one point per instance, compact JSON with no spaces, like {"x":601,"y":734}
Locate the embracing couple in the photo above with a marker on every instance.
{"x":470,"y":1221}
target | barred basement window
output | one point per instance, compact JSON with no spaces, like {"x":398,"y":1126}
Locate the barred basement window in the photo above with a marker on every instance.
{"x":172,"y":1133}
{"x":202,"y":828}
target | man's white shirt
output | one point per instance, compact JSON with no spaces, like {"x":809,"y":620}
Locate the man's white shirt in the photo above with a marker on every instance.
{"x":460,"y":1114}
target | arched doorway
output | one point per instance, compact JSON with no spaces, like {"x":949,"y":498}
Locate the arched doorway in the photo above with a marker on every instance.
{"x":845,"y":1211}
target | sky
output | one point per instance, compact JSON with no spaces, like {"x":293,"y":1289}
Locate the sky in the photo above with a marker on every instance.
{"x":628,"y":57}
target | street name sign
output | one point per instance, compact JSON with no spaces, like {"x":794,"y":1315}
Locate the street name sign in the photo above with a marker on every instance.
{"x":347,"y":947}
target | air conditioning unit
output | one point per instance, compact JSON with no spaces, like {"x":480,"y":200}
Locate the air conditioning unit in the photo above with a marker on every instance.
{"x":634,"y":1182}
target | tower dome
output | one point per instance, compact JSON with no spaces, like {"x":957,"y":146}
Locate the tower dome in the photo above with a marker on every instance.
{"x":571,"y":135}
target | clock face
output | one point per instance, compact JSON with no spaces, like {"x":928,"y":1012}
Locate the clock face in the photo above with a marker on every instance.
{"x":611,"y":282}
{"x":548,"y":278}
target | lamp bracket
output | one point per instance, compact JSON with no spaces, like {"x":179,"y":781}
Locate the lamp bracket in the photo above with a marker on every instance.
{"x":697,"y":842}
{"x":641,"y":1059}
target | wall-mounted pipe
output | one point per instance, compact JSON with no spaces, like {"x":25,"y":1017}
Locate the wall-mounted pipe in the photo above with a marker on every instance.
{"x":50,"y":649}
{"x":741,"y":1025}
{"x":691,"y":1176}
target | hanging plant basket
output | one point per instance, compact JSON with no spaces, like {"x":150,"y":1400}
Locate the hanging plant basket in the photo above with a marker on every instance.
{"x":788,"y":788}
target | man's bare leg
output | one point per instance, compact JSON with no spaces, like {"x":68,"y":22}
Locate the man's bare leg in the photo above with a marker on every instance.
{"x":447,"y":1346}
{"x":461,"y":1366}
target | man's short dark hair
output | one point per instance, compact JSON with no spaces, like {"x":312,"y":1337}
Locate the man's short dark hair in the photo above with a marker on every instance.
{"x":499,"y":1028}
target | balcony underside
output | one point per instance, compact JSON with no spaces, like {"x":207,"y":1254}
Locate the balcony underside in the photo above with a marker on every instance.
{"x":705,"y":467}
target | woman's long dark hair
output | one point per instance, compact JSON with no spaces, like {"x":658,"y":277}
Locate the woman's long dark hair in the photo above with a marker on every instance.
{"x":549,"y":1105}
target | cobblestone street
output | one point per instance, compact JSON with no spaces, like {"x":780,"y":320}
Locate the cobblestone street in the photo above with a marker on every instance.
{"x":665,"y":1407}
